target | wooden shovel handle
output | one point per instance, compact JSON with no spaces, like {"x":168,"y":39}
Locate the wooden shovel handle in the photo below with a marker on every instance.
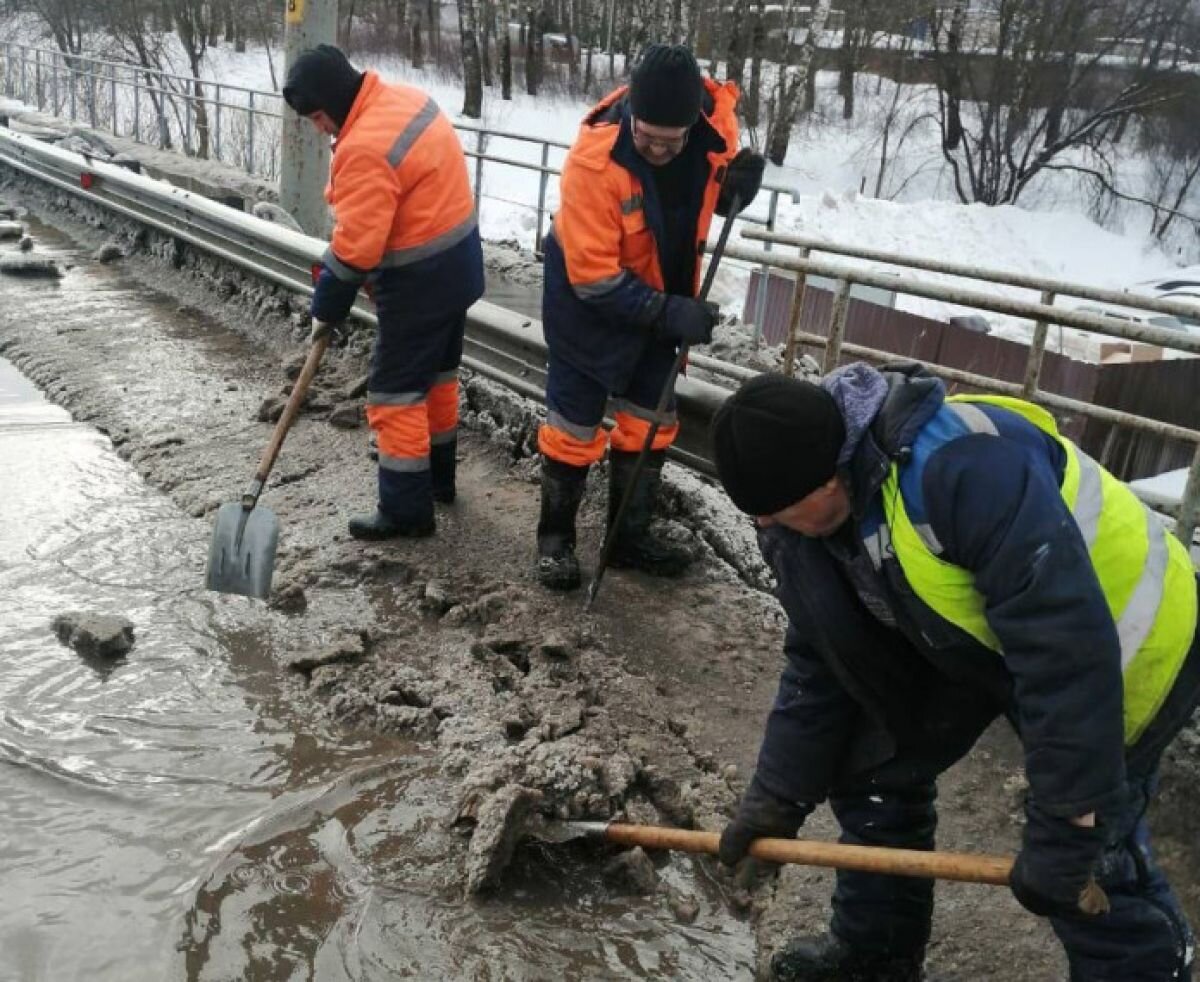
{"x":292,"y":409}
{"x":967,"y":867}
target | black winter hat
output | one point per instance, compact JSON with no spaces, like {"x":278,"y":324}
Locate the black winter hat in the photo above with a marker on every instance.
{"x":666,"y":88}
{"x":776,"y":440}
{"x":322,"y":78}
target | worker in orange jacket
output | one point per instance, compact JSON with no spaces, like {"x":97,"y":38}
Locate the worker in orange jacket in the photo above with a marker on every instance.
{"x":652,"y":163}
{"x":406,"y":227}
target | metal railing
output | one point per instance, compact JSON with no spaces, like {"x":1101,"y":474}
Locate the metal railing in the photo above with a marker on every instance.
{"x":241,"y":127}
{"x":502,"y":345}
{"x":1042,"y":314}
{"x":510,"y":349}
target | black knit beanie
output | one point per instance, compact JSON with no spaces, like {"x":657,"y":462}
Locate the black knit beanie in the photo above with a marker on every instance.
{"x":666,"y":88}
{"x":322,"y":78}
{"x":776,"y":440}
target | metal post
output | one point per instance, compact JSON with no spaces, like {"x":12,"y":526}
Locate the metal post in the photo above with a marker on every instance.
{"x":91,"y":77}
{"x":304,"y":153}
{"x":112,"y":92}
{"x":217,"y":134}
{"x":480,"y":147}
{"x":187,"y":115}
{"x":1189,"y":504}
{"x":72,"y":75}
{"x":789,"y":351}
{"x":250,"y":138}
{"x":837,"y":326}
{"x":161,"y":104}
{"x":54,"y":82}
{"x":764,"y":274}
{"x":1037,"y":351}
{"x":543,"y":181}
{"x":37,"y":77}
{"x":137,"y":106}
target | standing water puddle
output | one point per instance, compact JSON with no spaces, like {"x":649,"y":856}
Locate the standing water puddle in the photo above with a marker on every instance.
{"x":175,"y":816}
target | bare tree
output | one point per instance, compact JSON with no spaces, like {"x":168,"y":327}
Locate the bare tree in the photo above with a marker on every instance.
{"x":66,"y":21}
{"x":1042,"y":78}
{"x":506,"y":49}
{"x":793,"y":80}
{"x":472,"y":74}
{"x":191,"y":18}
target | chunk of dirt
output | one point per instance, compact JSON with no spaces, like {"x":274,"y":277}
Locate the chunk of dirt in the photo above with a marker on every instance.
{"x":24,"y":264}
{"x":632,"y":872}
{"x":346,"y":416}
{"x":346,"y":649}
{"x":500,"y":824}
{"x":94,"y":635}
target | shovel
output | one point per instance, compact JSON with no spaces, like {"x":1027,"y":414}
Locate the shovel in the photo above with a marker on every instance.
{"x":965,"y":867}
{"x":241,"y":556}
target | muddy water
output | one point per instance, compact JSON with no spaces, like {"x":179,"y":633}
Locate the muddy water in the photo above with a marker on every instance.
{"x":182,"y":814}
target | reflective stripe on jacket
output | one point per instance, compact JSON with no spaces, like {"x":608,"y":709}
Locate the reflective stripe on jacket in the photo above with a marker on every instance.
{"x":1145,"y":574}
{"x":398,"y":183}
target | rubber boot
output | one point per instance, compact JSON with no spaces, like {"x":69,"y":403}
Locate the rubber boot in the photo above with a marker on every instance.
{"x":636,"y":547}
{"x":380,"y":526}
{"x":562,"y":491}
{"x":443,"y":463}
{"x":405,"y":508}
{"x":827,"y":958}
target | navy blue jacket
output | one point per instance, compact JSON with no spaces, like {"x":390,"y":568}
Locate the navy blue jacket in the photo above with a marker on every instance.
{"x":860,"y":686}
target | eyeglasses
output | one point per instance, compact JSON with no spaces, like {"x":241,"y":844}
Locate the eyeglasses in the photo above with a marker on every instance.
{"x":665,"y":144}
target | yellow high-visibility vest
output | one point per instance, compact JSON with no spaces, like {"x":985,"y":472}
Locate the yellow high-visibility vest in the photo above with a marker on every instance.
{"x":1145,"y":573}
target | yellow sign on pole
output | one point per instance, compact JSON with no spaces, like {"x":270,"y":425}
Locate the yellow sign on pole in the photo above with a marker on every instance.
{"x":295,"y":11}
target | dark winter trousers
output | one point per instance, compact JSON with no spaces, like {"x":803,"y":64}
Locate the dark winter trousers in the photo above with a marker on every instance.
{"x":1144,"y":938}
{"x":412,"y":404}
{"x":576,"y":403}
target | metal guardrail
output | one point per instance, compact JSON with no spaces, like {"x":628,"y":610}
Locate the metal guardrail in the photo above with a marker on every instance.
{"x":1042,"y":314}
{"x":509,"y":348}
{"x":110,"y":95}
{"x":500,"y":345}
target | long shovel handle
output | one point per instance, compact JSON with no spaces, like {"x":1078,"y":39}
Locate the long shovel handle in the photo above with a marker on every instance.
{"x":965,"y":867}
{"x":290,"y":412}
{"x":664,"y":398}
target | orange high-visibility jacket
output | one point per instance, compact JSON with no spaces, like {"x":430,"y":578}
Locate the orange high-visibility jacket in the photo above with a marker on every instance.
{"x":398,"y":183}
{"x":601,"y":223}
{"x":603,"y":271}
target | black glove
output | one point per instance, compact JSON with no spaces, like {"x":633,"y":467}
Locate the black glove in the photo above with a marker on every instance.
{"x":760,"y":815}
{"x":688,"y":320}
{"x":1052,"y":876}
{"x":743,"y":177}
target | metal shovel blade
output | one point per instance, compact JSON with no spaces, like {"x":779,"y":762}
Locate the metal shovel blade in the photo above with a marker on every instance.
{"x":241,"y":556}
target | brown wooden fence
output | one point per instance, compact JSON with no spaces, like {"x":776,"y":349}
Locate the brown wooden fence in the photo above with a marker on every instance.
{"x":1164,"y":390}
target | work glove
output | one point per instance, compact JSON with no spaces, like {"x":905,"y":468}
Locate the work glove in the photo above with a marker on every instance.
{"x":743,"y":178}
{"x":760,"y":814}
{"x":1052,"y":876}
{"x":688,"y":320}
{"x":336,"y":331}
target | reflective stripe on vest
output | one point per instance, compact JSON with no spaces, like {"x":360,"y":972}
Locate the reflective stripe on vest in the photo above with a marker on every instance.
{"x":1145,"y":574}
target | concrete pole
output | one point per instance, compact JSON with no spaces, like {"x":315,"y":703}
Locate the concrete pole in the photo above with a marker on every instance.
{"x":304,"y":160}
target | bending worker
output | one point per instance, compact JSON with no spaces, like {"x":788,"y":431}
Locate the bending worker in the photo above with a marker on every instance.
{"x":651,"y":164}
{"x":406,"y":226}
{"x":943,"y":561}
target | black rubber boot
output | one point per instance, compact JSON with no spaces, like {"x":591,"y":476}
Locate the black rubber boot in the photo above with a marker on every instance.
{"x":827,"y":958}
{"x":443,"y":462}
{"x":380,"y":526}
{"x":636,"y":546}
{"x":562,"y":491}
